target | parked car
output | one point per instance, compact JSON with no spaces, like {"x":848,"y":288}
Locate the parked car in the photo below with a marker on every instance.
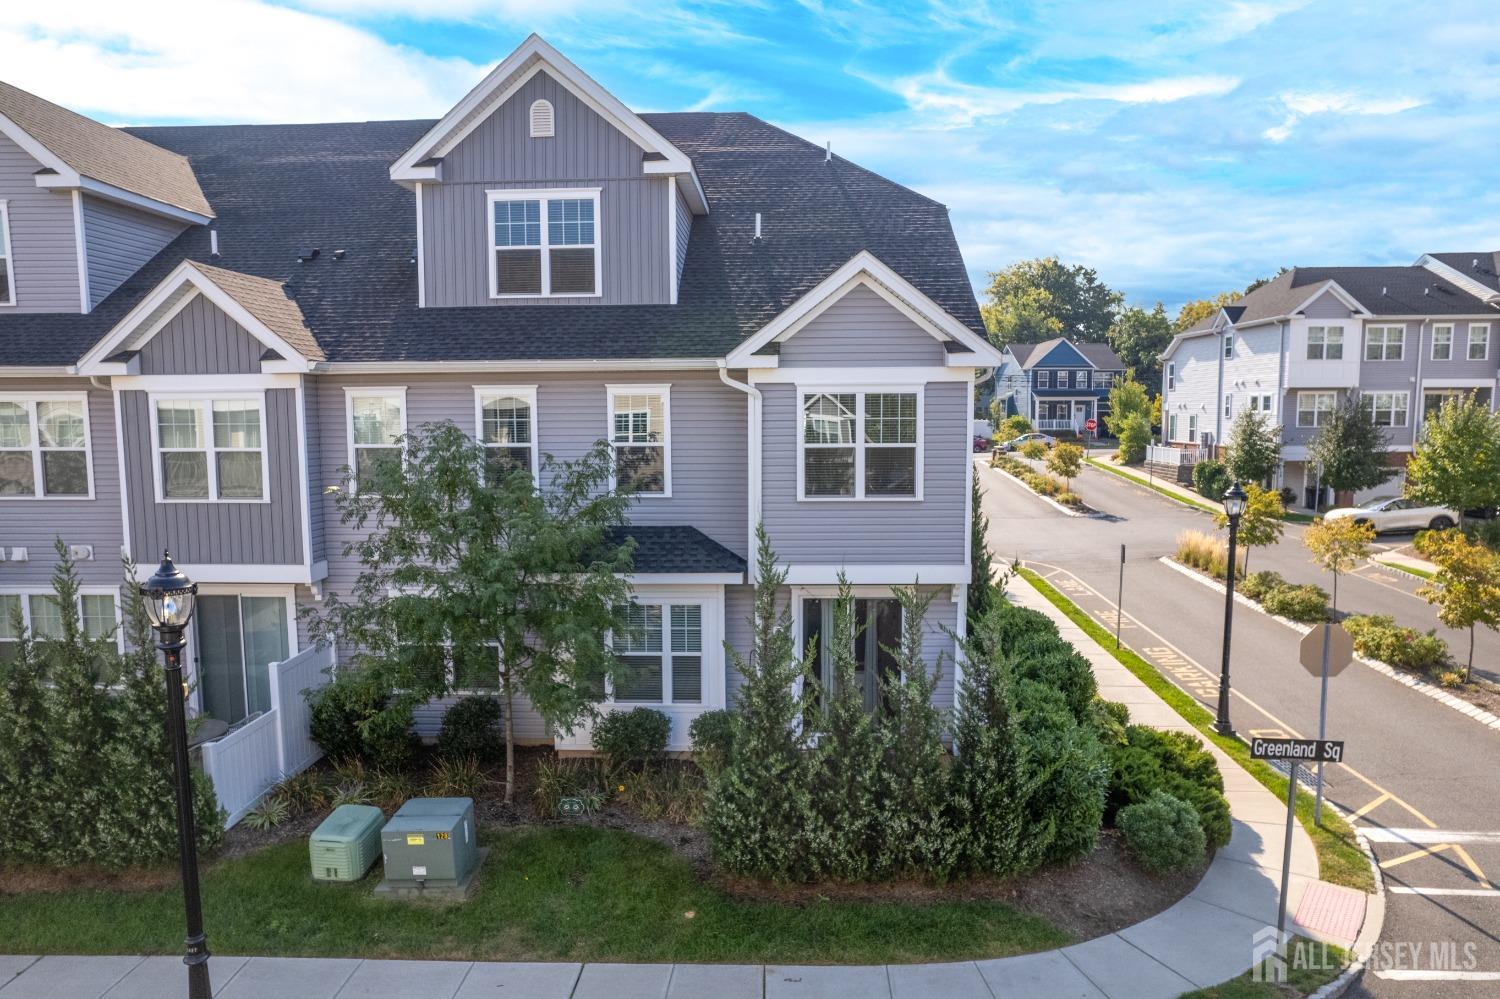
{"x":1017,"y":443}
{"x":981,"y":444}
{"x":1397,"y":513}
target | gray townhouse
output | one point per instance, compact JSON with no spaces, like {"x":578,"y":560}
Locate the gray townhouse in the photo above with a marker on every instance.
{"x":201,"y":327}
{"x":1058,"y":384}
{"x":1400,"y":339}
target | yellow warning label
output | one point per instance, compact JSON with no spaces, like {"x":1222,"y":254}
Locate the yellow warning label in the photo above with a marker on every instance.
{"x":441,"y":835}
{"x":416,"y":840}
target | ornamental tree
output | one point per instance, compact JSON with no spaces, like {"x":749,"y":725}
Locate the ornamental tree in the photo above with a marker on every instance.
{"x":1262,"y":522}
{"x":1127,"y":399}
{"x":1338,"y":545}
{"x":1066,"y":460}
{"x":1350,"y":450}
{"x":1466,"y":588}
{"x":1456,"y":462}
{"x":473,"y":579}
{"x":1254,"y":447}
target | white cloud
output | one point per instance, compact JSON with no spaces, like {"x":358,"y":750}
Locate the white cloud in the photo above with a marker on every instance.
{"x":1301,"y":105}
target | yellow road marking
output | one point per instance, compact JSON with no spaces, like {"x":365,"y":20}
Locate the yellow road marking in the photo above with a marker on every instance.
{"x":1463,"y":855}
{"x":1367,"y":809}
{"x":1415,"y":855}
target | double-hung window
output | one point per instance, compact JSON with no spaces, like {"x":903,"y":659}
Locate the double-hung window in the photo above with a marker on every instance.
{"x":1228,"y":346}
{"x":544,"y":243}
{"x":1314,"y":408}
{"x":44,"y":446}
{"x":377,"y":419}
{"x":210,"y":449}
{"x":506,"y":417}
{"x":1193,"y":428}
{"x":1171,"y":375}
{"x":42,"y":618}
{"x":861,"y":445}
{"x":1228,"y":406}
{"x":661,"y":650}
{"x":1260,"y":403}
{"x":7,"y":282}
{"x":1387,"y":409}
{"x":1479,"y":342}
{"x":640,"y":431}
{"x":1442,"y":342}
{"x":1172,"y":427}
{"x":1044,"y":379}
{"x":1325,"y":343}
{"x":1385,"y":343}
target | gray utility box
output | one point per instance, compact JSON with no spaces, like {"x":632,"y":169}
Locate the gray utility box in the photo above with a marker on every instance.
{"x":429,"y":844}
{"x":346,"y":844}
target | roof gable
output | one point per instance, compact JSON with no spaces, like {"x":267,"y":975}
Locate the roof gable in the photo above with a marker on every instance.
{"x":1058,"y":353}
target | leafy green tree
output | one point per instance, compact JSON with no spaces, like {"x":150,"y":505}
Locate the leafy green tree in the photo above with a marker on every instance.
{"x":1338,"y":545}
{"x":1035,"y":300}
{"x":1466,"y":588}
{"x":1127,"y":399}
{"x":1456,"y":462}
{"x":1194,"y":312}
{"x":1066,"y":460}
{"x":1013,"y":426}
{"x":760,"y":805}
{"x":1134,"y":436}
{"x":1139,"y":336}
{"x":981,"y":562}
{"x":1261,"y":524}
{"x":457,"y":563}
{"x":1350,"y":450}
{"x":24,"y":823}
{"x":1254,"y":447}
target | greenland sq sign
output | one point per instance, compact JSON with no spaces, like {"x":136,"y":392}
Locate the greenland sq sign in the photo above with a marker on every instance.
{"x":1298,"y":750}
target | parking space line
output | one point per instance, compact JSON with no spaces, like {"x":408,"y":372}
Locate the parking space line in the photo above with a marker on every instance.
{"x":1418,"y":837}
{"x":1460,"y":892}
{"x":1426,"y":851}
{"x":1367,"y":809}
{"x":1463,"y":855}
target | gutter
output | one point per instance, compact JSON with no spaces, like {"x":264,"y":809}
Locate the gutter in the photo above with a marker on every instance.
{"x":752,"y":456}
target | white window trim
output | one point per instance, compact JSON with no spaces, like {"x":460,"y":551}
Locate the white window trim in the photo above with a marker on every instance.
{"x":1228,"y":346}
{"x":711,"y":667}
{"x":1400,"y":406}
{"x":1043,"y":379}
{"x":205,"y":401}
{"x":1385,"y":343}
{"x":26,"y":592}
{"x":527,"y":394}
{"x":287,"y":593}
{"x":1228,"y":406}
{"x":859,"y":445}
{"x":367,"y":392}
{"x":1192,"y":436}
{"x":1171,"y":375}
{"x":29,"y":401}
{"x":1469,"y":342}
{"x":1317,"y":422}
{"x":665,"y":391}
{"x":545,"y":195}
{"x":8,"y":254}
{"x":1452,"y":338}
{"x":1172,"y":427}
{"x":1331,"y":335}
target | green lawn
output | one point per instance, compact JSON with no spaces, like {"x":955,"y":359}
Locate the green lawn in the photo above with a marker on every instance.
{"x":1340,"y":860}
{"x":1312,"y":965}
{"x":1293,"y":518}
{"x":1410,"y":570}
{"x":574,"y":893}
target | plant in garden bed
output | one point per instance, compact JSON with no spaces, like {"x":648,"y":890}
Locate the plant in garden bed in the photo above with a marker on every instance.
{"x":1174,"y":762}
{"x":1204,"y":552}
{"x":557,"y":778}
{"x":1466,"y":588}
{"x":1163,"y":832}
{"x":1066,"y":460}
{"x":634,"y":739}
{"x":1210,"y":480}
{"x":1338,"y":545}
{"x":1262,"y":522}
{"x":1378,"y":636}
{"x":472,"y":728}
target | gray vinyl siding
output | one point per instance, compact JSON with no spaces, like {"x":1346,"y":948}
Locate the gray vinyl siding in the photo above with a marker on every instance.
{"x":1197,"y":386}
{"x":118,"y":240}
{"x":312,"y":413}
{"x":44,"y":254}
{"x":684,"y":230}
{"x":34,"y":524}
{"x":531,"y":729}
{"x":1326,"y":306}
{"x":1293,"y":434}
{"x":862,"y":326}
{"x":201,"y":340}
{"x":739,"y":631}
{"x":218,"y":532}
{"x":586,"y":151}
{"x":1459,"y":366}
{"x":850,"y":532}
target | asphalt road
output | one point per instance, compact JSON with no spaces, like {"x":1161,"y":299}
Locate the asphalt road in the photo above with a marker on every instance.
{"x":1413,"y":765}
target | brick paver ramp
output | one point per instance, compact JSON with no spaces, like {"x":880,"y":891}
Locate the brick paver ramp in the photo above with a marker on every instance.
{"x":1331,"y":912}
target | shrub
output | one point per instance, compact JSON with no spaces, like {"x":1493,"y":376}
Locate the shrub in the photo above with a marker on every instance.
{"x":1258,"y":584}
{"x":1013,"y":426}
{"x":308,"y":791}
{"x":1163,"y":832}
{"x":1451,"y":679}
{"x":390,"y":789}
{"x":712,"y":735}
{"x":456,"y":777}
{"x":672,"y":793}
{"x":270,"y":812}
{"x":1306,"y":603}
{"x":558,"y":778}
{"x":1070,"y":499}
{"x":1211,"y":479}
{"x":1109,"y":719}
{"x":1037,"y":652}
{"x":1288,"y":496}
{"x":1034,"y":450}
{"x":1070,"y":771}
{"x":1378,"y":636}
{"x":632,"y":739}
{"x":389,"y":741}
{"x":1205,"y":552}
{"x":471,"y":727}
{"x":1134,"y":436}
{"x":353,"y":717}
{"x":1177,"y":763}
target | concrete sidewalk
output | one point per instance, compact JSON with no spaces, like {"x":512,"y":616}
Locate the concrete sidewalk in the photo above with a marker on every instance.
{"x":1202,"y":940}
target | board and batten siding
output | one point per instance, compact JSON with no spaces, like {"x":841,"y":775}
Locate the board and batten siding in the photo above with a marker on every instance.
{"x":44,"y":252}
{"x":35,"y":524}
{"x":684,"y":216}
{"x":200,"y":340}
{"x":850,"y":532}
{"x":118,"y":240}
{"x":586,"y":151}
{"x":861,"y":326}
{"x":217,"y":532}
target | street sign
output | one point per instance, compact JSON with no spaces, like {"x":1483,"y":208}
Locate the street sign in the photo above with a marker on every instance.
{"x":1091,"y":424}
{"x":1298,"y":750}
{"x":1340,"y":649}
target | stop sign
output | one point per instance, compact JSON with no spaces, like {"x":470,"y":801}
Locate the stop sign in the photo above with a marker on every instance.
{"x":1340,"y":649}
{"x":1091,"y":424}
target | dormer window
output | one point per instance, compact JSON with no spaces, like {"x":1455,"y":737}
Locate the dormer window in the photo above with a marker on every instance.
{"x":544,"y":243}
{"x":541,"y":120}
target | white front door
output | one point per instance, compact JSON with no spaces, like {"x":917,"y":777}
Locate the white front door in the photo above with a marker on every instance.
{"x":1080,"y":415}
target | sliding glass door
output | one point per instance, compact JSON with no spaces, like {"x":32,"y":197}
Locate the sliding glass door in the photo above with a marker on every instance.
{"x":238,"y":638}
{"x":877,"y":625}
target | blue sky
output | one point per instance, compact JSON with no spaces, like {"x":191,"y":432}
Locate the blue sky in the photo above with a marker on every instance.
{"x":1181,"y":148}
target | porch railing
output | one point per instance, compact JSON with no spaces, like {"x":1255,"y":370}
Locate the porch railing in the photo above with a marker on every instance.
{"x":1161,"y":454}
{"x":1058,"y":425}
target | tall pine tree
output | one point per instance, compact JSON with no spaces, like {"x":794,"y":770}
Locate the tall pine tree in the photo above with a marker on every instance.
{"x":25,"y":755}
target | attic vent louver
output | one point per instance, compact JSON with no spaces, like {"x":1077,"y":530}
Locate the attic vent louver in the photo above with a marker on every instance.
{"x":541,"y":119}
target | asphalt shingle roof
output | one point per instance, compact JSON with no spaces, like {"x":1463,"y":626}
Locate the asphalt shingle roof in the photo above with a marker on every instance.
{"x":677,"y":549}
{"x":1481,"y":265}
{"x":281,"y":189}
{"x":266,"y":300}
{"x":110,"y":155}
{"x":1385,"y":291}
{"x":1029,"y":355}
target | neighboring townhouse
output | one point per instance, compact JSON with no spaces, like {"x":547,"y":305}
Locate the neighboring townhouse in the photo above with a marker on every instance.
{"x":1400,"y":339}
{"x":200,"y":327}
{"x":1058,"y":384}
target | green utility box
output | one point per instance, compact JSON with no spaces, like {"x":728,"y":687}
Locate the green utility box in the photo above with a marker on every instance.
{"x":430,"y":848}
{"x":346,"y":844}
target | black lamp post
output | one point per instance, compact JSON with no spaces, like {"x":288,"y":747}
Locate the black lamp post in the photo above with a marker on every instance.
{"x":169,"y":597}
{"x":1234,"y":506}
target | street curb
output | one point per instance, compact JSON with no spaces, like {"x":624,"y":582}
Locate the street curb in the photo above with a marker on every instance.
{"x":1421,"y":686}
{"x":1045,"y":499}
{"x":1161,"y":491}
{"x":1391,"y":570}
{"x":1369,"y":930}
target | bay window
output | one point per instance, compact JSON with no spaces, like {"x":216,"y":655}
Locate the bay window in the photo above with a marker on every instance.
{"x":377,"y":419}
{"x":44,"y":446}
{"x":661,"y":651}
{"x":209,"y":449}
{"x":640,"y":432}
{"x":860,"y":445}
{"x":1387,"y":409}
{"x":544,"y":243}
{"x":506,"y":417}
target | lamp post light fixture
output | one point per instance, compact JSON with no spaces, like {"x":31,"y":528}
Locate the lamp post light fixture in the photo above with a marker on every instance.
{"x":169,"y":597}
{"x":1234,"y":507}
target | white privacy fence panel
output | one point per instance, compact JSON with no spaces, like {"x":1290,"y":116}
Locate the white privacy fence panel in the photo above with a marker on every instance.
{"x":290,"y":682}
{"x":244,"y":764}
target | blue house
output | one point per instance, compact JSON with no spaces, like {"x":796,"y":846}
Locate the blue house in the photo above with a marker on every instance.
{"x":1058,"y":385}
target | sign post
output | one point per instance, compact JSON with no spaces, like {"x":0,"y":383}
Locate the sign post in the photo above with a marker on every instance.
{"x":1120,"y":596}
{"x":1324,"y":652}
{"x":1294,"y":752}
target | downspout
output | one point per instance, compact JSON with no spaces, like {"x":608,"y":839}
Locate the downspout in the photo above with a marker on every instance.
{"x":1420,"y":396}
{"x":752,"y":453}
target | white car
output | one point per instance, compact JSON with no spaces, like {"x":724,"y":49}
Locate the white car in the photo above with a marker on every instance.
{"x":1397,"y":513}
{"x":1019,"y":442}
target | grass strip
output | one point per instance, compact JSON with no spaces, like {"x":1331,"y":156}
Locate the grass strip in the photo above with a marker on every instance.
{"x":1340,"y":859}
{"x":1408,"y":569}
{"x":1312,"y":966}
{"x":1293,"y":518}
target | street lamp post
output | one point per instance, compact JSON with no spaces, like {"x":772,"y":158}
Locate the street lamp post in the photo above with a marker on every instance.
{"x":169,"y":597}
{"x":1234,"y":506}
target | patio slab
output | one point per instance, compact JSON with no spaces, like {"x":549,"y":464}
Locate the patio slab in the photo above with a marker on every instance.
{"x":823,"y":982}
{"x":310,"y":977}
{"x":513,"y":981}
